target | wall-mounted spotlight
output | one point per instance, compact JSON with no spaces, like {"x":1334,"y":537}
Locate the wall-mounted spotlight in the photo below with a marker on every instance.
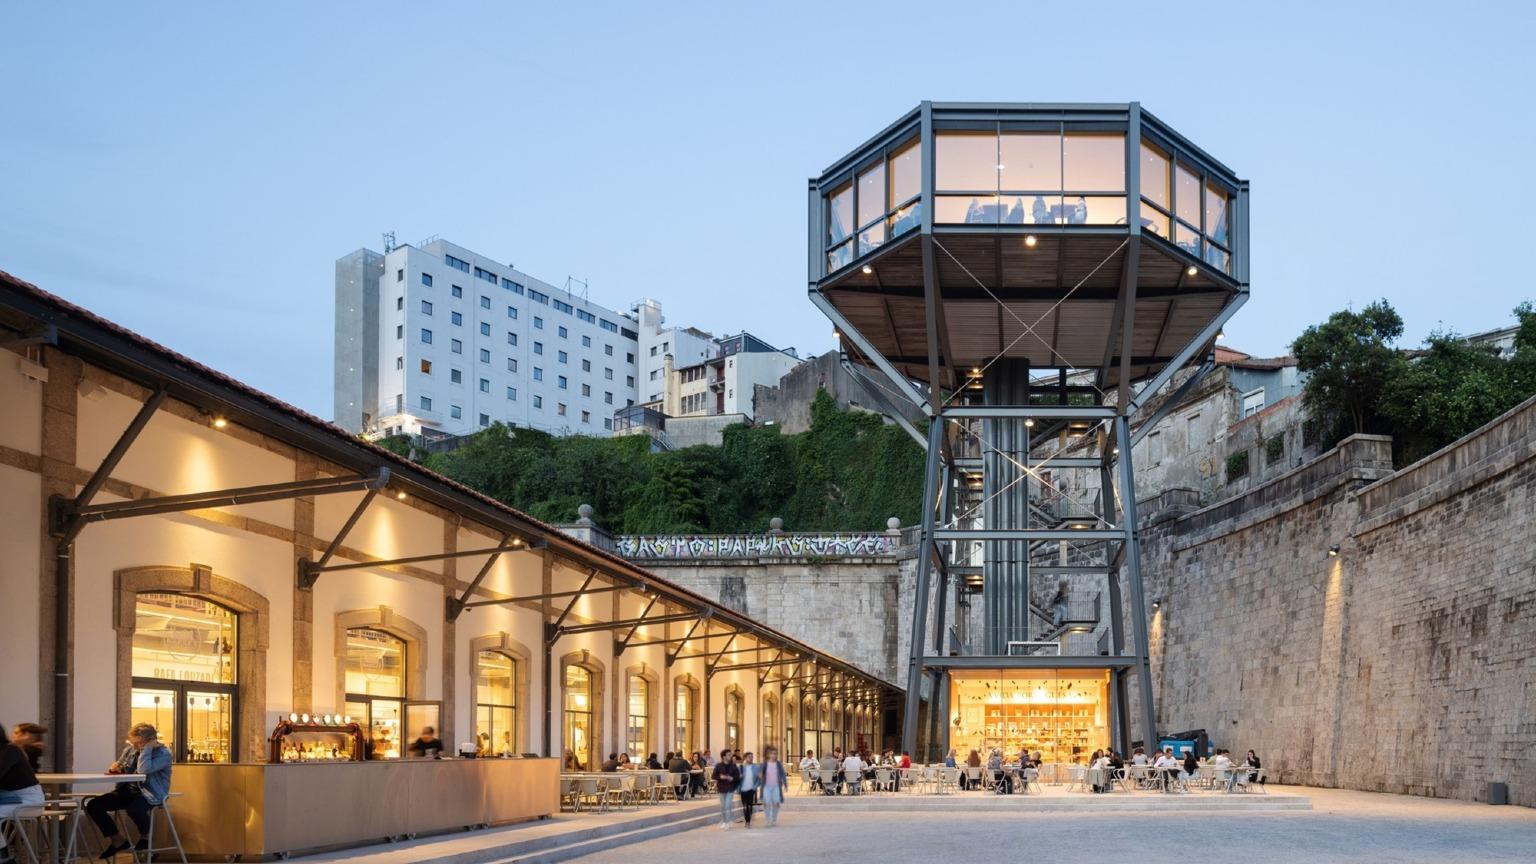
{"x":219,"y":422}
{"x":1030,"y":241}
{"x":1157,"y":602}
{"x":1192,"y":271}
{"x":868,"y":270}
{"x":1333,"y":551}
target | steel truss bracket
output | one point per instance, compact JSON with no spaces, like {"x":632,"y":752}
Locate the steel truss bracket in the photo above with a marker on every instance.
{"x":703,"y":619}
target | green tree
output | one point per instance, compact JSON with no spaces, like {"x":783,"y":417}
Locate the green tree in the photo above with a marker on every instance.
{"x":1445,"y":393}
{"x":1348,"y":360}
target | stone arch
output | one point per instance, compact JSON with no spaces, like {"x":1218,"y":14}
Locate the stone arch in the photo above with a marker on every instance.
{"x":386,"y":620}
{"x":252,"y":638}
{"x":653,"y":733}
{"x":503,"y":643}
{"x":586,"y":660}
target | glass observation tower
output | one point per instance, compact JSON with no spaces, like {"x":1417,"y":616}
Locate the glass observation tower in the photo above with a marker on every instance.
{"x":1031,"y":281}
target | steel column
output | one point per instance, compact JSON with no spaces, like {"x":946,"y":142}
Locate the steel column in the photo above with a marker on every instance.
{"x":920,"y":601}
{"x":1139,"y":626}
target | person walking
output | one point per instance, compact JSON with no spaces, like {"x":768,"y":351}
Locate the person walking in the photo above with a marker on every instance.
{"x":751,"y":783}
{"x":727,"y":775}
{"x":775,"y":785}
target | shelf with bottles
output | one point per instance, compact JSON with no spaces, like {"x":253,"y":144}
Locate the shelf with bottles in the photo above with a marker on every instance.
{"x":323,"y":738}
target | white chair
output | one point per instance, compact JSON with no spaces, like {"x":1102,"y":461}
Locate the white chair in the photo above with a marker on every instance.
{"x":592,"y":789}
{"x":949,"y":778}
{"x":973,"y":777}
{"x":1079,"y":778}
{"x":828,"y":780}
{"x":20,"y":824}
{"x":807,"y":780}
{"x":885,"y":779}
{"x":905,"y":775}
{"x":1030,"y":777}
{"x":853,"y":781}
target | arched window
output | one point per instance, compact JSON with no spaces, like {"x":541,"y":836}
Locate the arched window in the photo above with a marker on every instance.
{"x":733,"y":702}
{"x":685,"y":715}
{"x":808,"y":739}
{"x":578,"y":715}
{"x":184,"y":675}
{"x":375,"y":687}
{"x":496,"y":704}
{"x":770,"y":727}
{"x":638,"y":737}
{"x":791,"y":726}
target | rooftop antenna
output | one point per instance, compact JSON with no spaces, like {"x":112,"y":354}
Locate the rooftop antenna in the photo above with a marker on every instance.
{"x":572,"y":280}
{"x":389,"y":242}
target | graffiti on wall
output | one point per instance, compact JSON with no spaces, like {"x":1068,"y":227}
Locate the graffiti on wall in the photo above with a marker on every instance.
{"x":685,"y":546}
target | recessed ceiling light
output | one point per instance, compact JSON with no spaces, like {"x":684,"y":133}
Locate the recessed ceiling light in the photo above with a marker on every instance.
{"x":868,"y":270}
{"x":220,"y":422}
{"x":1030,"y":241}
{"x":1192,"y":271}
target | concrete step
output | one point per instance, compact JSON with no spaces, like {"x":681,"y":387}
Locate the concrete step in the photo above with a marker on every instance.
{"x":585,"y":844}
{"x":540,"y":841}
{"x":1076,"y":803}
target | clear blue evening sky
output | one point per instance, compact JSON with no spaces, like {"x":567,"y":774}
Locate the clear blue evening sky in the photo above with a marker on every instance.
{"x":192,"y":170}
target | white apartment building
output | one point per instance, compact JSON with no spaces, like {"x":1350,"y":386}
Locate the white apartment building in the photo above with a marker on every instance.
{"x":685,"y":345}
{"x":724,"y":383}
{"x":437,"y":340}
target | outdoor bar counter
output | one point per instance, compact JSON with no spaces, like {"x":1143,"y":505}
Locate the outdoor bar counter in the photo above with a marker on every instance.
{"x":264,"y":811}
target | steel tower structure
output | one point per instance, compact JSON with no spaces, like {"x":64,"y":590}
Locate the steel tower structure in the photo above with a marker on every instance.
{"x":1032,"y":277}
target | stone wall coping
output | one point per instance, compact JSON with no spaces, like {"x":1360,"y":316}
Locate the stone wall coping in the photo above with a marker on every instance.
{"x":1351,"y":462}
{"x":1501,"y":445}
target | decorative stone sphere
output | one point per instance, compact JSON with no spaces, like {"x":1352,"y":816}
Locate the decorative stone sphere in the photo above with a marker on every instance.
{"x":893,"y":523}
{"x":584,"y":511}
{"x":775,"y":524}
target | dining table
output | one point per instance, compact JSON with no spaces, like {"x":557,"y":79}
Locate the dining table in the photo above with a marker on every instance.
{"x":57,"y":783}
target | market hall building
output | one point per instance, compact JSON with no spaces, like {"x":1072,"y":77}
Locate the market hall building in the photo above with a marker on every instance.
{"x":183,"y":550}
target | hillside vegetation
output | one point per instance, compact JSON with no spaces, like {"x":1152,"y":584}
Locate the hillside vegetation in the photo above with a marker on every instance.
{"x":849,"y":472}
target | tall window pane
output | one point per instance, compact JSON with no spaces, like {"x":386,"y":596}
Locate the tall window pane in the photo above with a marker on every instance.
{"x":1216,"y":214}
{"x":1093,"y":163}
{"x":638,"y":740}
{"x":1030,"y":162}
{"x":183,"y":662}
{"x":965,"y":162}
{"x":495,"y":704}
{"x":1154,"y":175}
{"x":840,"y":215}
{"x":733,"y":720}
{"x":1187,"y":195}
{"x":684,"y":716}
{"x":770,"y":726}
{"x":375,"y":687}
{"x":578,"y":716}
{"x":872,"y":194}
{"x":906,"y":173}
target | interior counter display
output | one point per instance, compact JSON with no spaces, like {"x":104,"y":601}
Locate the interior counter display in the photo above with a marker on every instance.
{"x":260,"y":812}
{"x":1061,"y":714}
{"x":326,"y":738}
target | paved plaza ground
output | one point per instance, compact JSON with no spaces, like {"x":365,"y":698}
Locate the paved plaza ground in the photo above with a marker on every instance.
{"x":1342,"y":826}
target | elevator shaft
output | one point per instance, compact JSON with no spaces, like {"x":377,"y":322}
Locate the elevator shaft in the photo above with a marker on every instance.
{"x":1005,"y":491}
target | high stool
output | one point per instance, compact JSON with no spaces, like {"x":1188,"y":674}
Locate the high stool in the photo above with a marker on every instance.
{"x":162,"y":809}
{"x":20,"y":821}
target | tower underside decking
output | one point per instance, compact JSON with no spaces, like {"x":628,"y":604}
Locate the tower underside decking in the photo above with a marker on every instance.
{"x":1065,"y":289}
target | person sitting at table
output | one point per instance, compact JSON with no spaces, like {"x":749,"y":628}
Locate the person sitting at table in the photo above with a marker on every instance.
{"x":506,"y":748}
{"x":829,"y":763}
{"x":29,"y":737}
{"x":483,"y":745}
{"x":1138,"y":757}
{"x":1040,"y":211}
{"x":1165,"y":768}
{"x":652,"y":762}
{"x":611,"y":764}
{"x":698,"y":775}
{"x":572,"y":763}
{"x":143,"y":755}
{"x":426,"y":745}
{"x":995,"y":771}
{"x":1254,"y":766}
{"x":853,"y":772}
{"x":679,"y":767}
{"x":1191,"y":769}
{"x":18,"y":786}
{"x":906,"y":759}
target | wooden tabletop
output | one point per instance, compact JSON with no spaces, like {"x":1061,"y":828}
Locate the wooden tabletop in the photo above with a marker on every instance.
{"x":68,"y":779}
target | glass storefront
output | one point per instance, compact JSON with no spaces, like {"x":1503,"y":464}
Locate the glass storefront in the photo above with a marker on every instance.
{"x":1061,"y":714}
{"x":184,"y":675}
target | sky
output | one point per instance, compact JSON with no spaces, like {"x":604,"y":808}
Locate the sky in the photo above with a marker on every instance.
{"x":193,"y":170}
